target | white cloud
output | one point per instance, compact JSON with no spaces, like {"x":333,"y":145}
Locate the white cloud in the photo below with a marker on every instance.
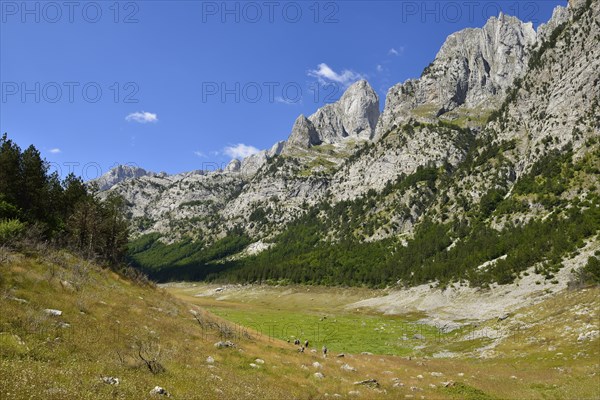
{"x":396,"y":52}
{"x":200,"y":154}
{"x":142,"y":117}
{"x":324,"y":74}
{"x":55,"y":150}
{"x":240,"y":151}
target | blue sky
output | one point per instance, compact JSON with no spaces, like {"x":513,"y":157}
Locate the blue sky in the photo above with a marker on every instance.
{"x":181,"y":85}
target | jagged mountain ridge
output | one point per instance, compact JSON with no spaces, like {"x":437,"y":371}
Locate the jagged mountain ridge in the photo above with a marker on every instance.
{"x":119,"y":174}
{"x":319,"y":164}
{"x":343,"y":125}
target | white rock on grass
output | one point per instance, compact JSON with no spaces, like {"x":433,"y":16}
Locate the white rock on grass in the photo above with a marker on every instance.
{"x":159,"y":391}
{"x":347,"y":367}
{"x":591,"y":335}
{"x":109,"y":380}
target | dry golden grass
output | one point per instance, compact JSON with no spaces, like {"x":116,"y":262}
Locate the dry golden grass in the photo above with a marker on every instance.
{"x":110,"y":320}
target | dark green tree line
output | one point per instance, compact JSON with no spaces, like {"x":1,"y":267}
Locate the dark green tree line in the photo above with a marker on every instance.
{"x":66,"y":212}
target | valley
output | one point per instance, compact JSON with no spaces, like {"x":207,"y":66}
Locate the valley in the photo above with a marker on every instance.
{"x":546,"y":350}
{"x":441,"y":243}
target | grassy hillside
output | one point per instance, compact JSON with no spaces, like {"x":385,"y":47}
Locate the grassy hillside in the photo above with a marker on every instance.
{"x":108,"y":320}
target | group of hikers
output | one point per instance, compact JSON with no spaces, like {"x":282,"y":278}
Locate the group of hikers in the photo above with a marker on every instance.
{"x":304,"y":346}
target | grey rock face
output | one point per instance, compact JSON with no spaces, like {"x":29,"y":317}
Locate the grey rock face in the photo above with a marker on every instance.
{"x":276,"y":149}
{"x":233,"y":166}
{"x":472,"y":67}
{"x":251,"y":164}
{"x":355,"y":114}
{"x":303,"y":134}
{"x":475,"y":64}
{"x":119,"y":174}
{"x":560,"y":15}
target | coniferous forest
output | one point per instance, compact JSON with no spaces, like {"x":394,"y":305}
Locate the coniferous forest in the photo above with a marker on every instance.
{"x":37,"y":206}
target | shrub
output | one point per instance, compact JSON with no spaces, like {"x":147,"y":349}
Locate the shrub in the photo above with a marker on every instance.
{"x":590,"y":273}
{"x":10,"y":230}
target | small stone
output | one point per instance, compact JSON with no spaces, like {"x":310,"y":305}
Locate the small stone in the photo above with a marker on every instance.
{"x":52,"y":312}
{"x":347,"y":367}
{"x":318,"y":375}
{"x":221,"y":345}
{"x":317,"y":364}
{"x":210,"y":360}
{"x":159,"y":391}
{"x":259,"y":361}
{"x":109,"y":380}
{"x":368,"y":382}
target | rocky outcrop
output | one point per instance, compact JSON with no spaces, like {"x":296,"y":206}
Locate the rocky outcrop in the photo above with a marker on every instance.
{"x":473,"y":67}
{"x":304,"y":134}
{"x":233,"y":166}
{"x":354,"y":115}
{"x":119,"y":174}
{"x":560,"y":15}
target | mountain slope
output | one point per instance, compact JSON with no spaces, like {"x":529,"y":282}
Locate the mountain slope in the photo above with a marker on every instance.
{"x":441,"y":176}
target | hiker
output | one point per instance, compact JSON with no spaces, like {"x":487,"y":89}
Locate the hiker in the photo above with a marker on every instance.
{"x":306,"y":344}
{"x":324,"y":351}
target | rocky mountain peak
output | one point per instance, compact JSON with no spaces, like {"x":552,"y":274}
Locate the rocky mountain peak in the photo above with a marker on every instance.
{"x":475,"y":64}
{"x":359,"y":108}
{"x":355,"y":114}
{"x":473,"y":67}
{"x":119,"y":174}
{"x":303,"y":134}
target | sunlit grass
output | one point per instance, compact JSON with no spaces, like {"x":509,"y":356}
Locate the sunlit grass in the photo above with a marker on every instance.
{"x":108,"y":317}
